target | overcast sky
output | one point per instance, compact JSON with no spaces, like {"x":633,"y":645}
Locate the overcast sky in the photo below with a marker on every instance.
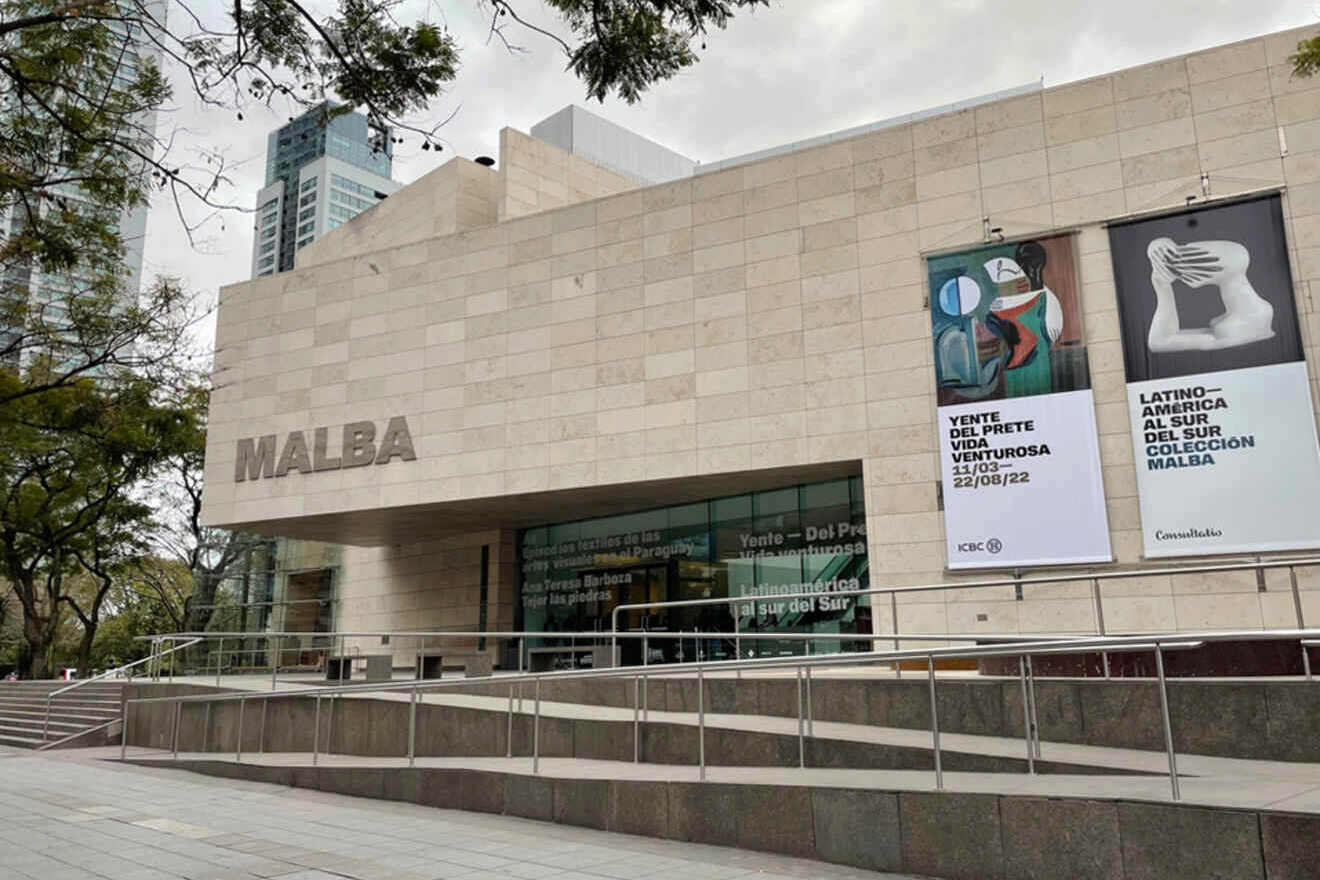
{"x":798,"y":69}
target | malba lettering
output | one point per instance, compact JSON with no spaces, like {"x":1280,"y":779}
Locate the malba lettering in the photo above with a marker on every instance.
{"x":255,"y":458}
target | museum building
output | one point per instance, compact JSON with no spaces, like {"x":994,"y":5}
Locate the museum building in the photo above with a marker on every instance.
{"x":1051,"y":331}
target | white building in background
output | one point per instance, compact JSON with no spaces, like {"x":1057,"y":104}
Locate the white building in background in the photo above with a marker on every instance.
{"x":51,"y":292}
{"x":319,"y":175}
{"x":601,"y":142}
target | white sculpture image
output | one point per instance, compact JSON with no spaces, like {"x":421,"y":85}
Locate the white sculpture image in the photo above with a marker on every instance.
{"x":1223,"y":265}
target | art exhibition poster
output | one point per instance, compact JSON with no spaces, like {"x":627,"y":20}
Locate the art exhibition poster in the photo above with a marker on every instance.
{"x":1016,"y":419}
{"x":1222,"y":424}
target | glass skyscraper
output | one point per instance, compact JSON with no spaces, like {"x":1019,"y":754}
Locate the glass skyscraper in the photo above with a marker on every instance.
{"x":320,"y":173}
{"x":22,"y":281}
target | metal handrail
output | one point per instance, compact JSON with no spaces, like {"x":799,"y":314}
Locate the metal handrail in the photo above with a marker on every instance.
{"x":1023,"y":650}
{"x":614,"y":633}
{"x":595,"y":635}
{"x":156,"y":655}
{"x":1030,"y":646}
{"x":1094,"y":577}
{"x":602,"y":635}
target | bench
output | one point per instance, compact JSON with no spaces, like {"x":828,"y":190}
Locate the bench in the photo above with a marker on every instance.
{"x":474,"y":664}
{"x":380,"y":667}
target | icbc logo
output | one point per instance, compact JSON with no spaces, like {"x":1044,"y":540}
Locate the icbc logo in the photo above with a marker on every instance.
{"x":993,"y":545}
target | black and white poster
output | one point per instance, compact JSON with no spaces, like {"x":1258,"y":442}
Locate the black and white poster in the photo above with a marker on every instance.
{"x":1223,"y":428}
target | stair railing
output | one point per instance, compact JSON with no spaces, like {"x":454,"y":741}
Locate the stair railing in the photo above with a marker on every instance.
{"x":118,"y":670}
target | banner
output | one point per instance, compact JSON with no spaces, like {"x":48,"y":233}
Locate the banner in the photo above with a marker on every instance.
{"x":1016,"y":419}
{"x":1223,"y":429}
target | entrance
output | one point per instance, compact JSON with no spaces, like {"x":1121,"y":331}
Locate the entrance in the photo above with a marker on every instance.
{"x":645,"y":583}
{"x":307,"y":609}
{"x":749,"y":555}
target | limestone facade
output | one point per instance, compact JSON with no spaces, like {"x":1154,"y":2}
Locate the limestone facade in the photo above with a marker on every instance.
{"x":560,"y":339}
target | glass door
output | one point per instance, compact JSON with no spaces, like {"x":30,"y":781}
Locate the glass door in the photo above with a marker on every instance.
{"x":646,"y":583}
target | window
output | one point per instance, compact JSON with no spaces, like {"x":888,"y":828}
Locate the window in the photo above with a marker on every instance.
{"x":307,"y":214}
{"x":309,"y":183}
{"x":269,"y":232}
{"x":306,"y":228}
{"x":306,"y":241}
{"x":266,"y":262}
{"x":306,"y":200}
{"x":345,"y":198}
{"x":267,"y":247}
{"x":354,"y":187}
{"x":762,"y":548}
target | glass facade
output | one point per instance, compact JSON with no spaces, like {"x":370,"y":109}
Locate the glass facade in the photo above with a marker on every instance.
{"x":304,"y":140}
{"x":277,"y":585}
{"x":764,"y":547}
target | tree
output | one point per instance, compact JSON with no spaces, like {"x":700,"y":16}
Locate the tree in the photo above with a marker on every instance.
{"x":10,"y":634}
{"x":210,"y":555}
{"x":1306,"y":60}
{"x":76,"y":147}
{"x":79,"y":147}
{"x":156,"y":592}
{"x":70,"y":459}
{"x":63,"y":67}
{"x":147,"y":598}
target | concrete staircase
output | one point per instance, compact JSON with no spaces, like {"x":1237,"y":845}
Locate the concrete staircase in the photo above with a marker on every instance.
{"x":78,"y":718}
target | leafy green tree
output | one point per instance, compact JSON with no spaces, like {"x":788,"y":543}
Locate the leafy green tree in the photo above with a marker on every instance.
{"x":78,"y":145}
{"x":1306,"y":60}
{"x":10,"y":634}
{"x":209,"y":555}
{"x":70,"y":460}
{"x":79,"y":97}
{"x":155,"y":594}
{"x":148,"y":597}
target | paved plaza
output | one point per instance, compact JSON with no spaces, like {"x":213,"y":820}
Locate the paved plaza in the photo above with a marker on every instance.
{"x":69,"y":817}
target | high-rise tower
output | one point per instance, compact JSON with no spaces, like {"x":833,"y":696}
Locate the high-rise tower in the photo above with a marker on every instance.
{"x":51,"y":294}
{"x":319,"y":173}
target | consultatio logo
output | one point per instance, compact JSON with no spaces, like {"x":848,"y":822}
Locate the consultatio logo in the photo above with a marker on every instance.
{"x":1188,"y":534}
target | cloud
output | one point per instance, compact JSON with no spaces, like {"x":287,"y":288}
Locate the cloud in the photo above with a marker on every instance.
{"x":789,"y":72}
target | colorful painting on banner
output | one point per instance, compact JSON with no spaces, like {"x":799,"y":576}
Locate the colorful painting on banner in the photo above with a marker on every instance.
{"x":1018,"y":447}
{"x":1007,"y":321}
{"x":1218,"y":393}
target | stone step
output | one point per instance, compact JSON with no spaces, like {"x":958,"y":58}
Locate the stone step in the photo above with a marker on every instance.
{"x":40,"y":709}
{"x":19,"y":742}
{"x":62,"y":717}
{"x":57,"y":701}
{"x":88,"y":718}
{"x":46,"y":686}
{"x":23,"y":706}
{"x":63,"y":699}
{"x":57,"y":728}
